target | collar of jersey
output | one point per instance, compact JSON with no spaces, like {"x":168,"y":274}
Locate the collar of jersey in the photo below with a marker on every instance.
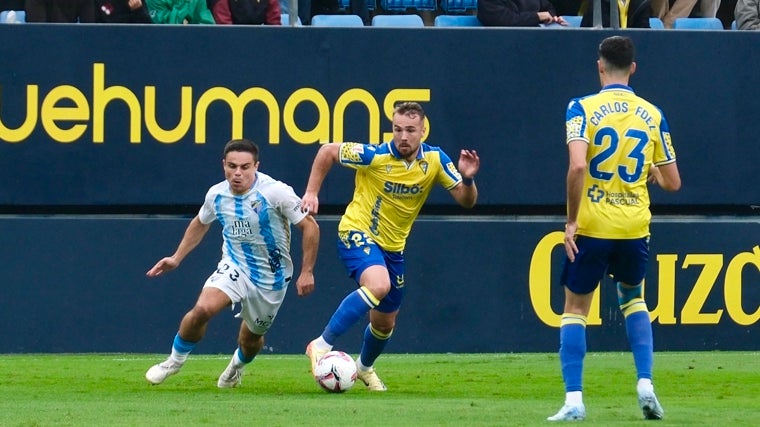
{"x":396,"y":154}
{"x":617,"y":86}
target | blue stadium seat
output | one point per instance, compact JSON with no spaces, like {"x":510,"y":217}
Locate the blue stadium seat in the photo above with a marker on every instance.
{"x":346,"y":4}
{"x":458,"y":6}
{"x":409,"y":20}
{"x":573,"y":20}
{"x":403,"y":5}
{"x":733,"y":25}
{"x":285,"y":20}
{"x":336,"y":21}
{"x":457,"y":21}
{"x":698,"y":24}
{"x":656,"y":23}
{"x":20,"y":17}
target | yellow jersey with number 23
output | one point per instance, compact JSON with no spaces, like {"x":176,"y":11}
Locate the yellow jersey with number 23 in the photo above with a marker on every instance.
{"x":625,"y":135}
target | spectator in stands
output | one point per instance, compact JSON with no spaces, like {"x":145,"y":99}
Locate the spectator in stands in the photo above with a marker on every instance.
{"x":632,"y":14}
{"x":568,"y":7}
{"x":66,"y":11}
{"x":682,"y":9}
{"x":747,"y":14}
{"x":179,"y":12}
{"x":245,"y":12}
{"x":517,"y":13}
{"x":121,"y":12}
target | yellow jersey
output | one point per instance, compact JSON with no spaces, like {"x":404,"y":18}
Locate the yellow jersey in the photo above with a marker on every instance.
{"x":625,"y":135}
{"x":389,"y":191}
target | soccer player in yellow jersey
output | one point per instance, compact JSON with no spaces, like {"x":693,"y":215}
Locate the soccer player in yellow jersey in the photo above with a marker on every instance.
{"x":393,"y":180}
{"x":617,"y":142}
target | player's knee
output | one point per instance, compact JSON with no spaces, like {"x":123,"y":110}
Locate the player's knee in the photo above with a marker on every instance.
{"x":200,"y":314}
{"x":376,"y":281}
{"x":378,"y":289}
{"x":626,"y":294}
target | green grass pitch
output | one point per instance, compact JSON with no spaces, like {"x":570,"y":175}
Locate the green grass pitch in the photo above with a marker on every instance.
{"x":695,"y":388}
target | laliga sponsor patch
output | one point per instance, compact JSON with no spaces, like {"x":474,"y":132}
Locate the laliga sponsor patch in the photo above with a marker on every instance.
{"x":573,"y":127}
{"x":351,"y":151}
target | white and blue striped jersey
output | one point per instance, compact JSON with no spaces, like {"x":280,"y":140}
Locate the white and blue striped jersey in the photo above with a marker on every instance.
{"x":256,"y":228}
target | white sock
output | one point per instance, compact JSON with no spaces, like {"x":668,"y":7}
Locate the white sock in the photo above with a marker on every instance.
{"x":179,"y":358}
{"x":321,"y":344}
{"x":644,"y":384}
{"x":574,"y":398}
{"x":236,"y":361}
{"x":360,"y":365}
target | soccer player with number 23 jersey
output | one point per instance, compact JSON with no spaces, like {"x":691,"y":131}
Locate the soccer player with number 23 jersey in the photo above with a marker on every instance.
{"x":617,"y":143}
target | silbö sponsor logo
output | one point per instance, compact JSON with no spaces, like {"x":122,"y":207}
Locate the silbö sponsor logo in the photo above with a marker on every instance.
{"x":402,"y":191}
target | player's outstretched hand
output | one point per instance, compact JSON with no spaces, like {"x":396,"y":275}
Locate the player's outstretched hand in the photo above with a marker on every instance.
{"x":162,"y":266}
{"x":469,"y":163}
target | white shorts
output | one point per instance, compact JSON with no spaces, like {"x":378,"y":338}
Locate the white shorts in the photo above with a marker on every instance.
{"x":259,"y":306}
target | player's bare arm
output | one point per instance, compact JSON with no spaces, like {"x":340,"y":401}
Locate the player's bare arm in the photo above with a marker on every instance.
{"x":193,"y":236}
{"x":666,"y":176}
{"x":326,"y":156}
{"x":575,"y":173}
{"x":309,"y":246}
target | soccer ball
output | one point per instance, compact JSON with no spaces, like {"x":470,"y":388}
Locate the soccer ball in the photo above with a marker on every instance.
{"x":335,"y":372}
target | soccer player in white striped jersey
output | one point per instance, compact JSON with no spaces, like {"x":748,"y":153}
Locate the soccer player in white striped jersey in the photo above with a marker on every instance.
{"x":256,"y":213}
{"x":393,"y":180}
{"x":617,"y":143}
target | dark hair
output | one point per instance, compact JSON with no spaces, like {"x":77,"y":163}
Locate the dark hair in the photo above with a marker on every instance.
{"x":409,"y":109}
{"x":244,"y":145}
{"x":617,"y":51}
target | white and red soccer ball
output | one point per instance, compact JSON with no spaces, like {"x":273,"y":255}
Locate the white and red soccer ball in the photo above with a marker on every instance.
{"x":335,"y":372}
